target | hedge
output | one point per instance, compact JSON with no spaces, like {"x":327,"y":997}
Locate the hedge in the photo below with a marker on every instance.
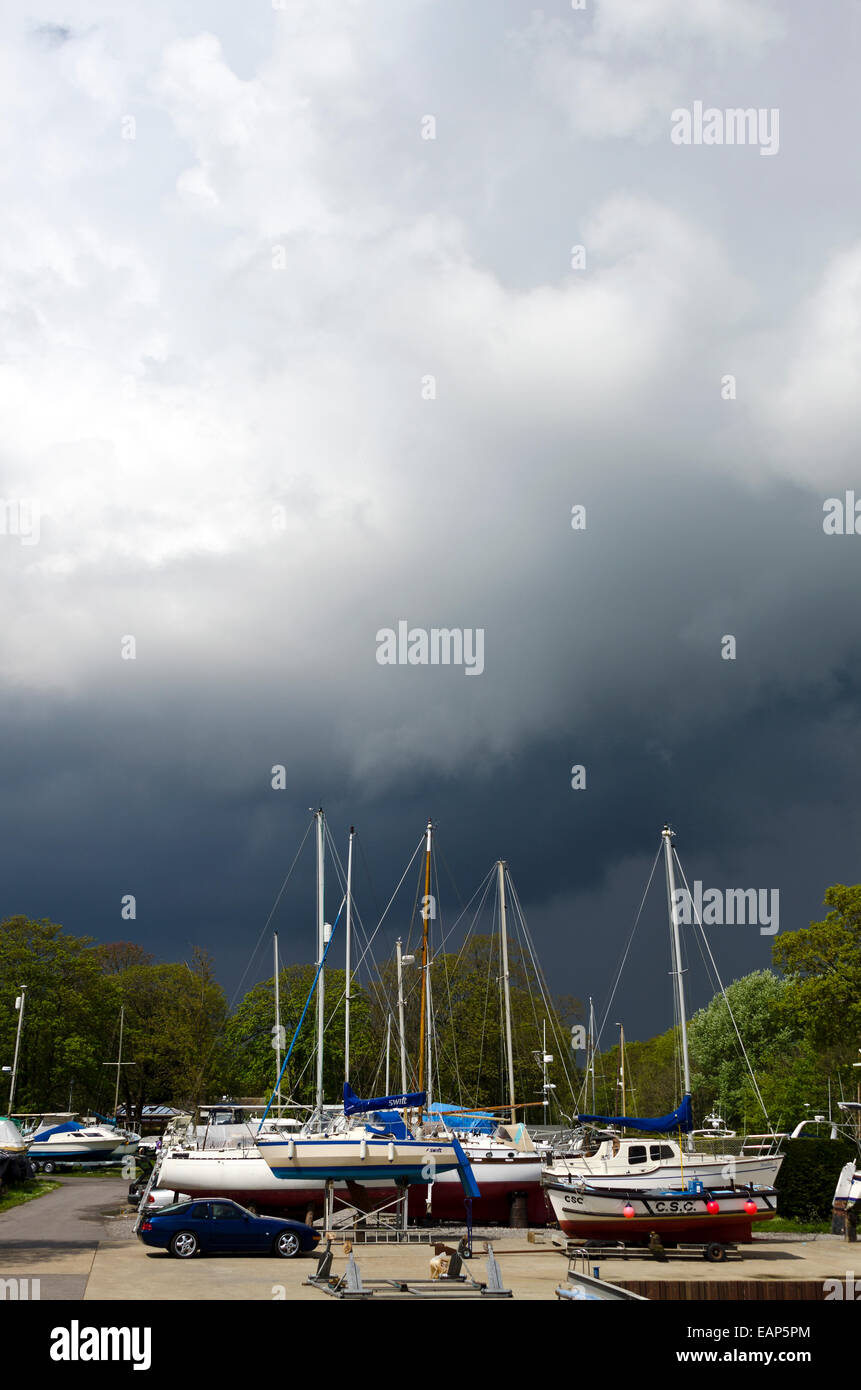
{"x":808,"y":1176}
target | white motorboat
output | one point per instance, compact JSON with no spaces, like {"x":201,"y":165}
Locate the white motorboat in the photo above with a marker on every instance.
{"x":72,"y":1142}
{"x":656,"y":1161}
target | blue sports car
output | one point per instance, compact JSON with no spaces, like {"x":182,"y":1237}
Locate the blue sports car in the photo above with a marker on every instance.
{"x":223,"y":1227}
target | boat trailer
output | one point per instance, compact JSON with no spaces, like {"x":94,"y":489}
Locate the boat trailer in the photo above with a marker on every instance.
{"x":453,"y":1283}
{"x":715,"y":1251}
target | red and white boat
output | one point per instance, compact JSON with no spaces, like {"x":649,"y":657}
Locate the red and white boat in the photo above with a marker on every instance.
{"x":691,"y":1213}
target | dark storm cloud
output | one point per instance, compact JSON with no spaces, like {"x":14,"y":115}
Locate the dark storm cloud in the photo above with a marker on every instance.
{"x":221,"y":321}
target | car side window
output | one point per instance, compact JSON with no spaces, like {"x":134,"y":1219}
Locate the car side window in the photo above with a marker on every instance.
{"x":222,"y":1212}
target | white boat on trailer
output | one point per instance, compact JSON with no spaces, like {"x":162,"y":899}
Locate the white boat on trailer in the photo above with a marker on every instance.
{"x":72,"y":1142}
{"x":655,"y":1160}
{"x":693,"y":1212}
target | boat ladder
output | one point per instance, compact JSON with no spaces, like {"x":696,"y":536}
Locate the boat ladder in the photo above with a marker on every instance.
{"x":150,"y":1183}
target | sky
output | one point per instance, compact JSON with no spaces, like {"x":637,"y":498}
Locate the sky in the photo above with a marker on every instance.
{"x":320,"y":317}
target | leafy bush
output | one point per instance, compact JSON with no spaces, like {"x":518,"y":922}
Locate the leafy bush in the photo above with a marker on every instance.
{"x":808,"y":1176}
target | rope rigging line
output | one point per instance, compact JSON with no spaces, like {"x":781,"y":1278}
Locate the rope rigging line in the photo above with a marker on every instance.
{"x":271,"y":915}
{"x":199,"y":1075}
{"x":626,"y":952}
{"x":723,"y":992}
{"x":542,"y":982}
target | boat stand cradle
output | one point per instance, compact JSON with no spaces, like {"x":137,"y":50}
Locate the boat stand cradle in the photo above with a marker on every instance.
{"x":454,"y":1283}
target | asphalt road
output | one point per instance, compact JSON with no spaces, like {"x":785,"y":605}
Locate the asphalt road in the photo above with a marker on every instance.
{"x":54,"y":1238}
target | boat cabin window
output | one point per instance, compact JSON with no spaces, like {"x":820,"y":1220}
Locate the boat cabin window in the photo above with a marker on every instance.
{"x":637,"y":1153}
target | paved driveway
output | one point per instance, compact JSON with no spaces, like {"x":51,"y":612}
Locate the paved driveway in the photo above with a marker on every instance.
{"x":54,"y":1238}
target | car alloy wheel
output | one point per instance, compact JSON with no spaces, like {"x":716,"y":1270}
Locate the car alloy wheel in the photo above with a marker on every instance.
{"x":184,"y":1245}
{"x":287,"y":1245}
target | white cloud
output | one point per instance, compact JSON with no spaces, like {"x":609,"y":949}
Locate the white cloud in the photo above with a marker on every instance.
{"x":622,"y":76}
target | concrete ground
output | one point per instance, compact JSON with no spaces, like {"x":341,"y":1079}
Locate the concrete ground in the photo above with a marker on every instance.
{"x":80,"y":1248}
{"x":54,"y":1238}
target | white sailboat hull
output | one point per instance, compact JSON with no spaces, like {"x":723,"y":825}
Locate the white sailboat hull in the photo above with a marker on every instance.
{"x":357,"y":1157}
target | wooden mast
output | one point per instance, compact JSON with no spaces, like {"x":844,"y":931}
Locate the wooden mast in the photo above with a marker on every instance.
{"x":425,"y":917}
{"x":506,"y":985}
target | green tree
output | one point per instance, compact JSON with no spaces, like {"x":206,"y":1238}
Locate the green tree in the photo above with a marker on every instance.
{"x":822,"y":964}
{"x":719,"y":1073}
{"x":175,"y":1019}
{"x":68,"y":1015}
{"x":249,"y":1038}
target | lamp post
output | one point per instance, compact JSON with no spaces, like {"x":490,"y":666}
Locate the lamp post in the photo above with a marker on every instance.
{"x":19,"y":1005}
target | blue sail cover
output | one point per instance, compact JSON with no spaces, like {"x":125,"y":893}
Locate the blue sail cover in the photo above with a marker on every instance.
{"x":682,"y":1119}
{"x":478,"y":1122}
{"x":354,"y":1106}
{"x":67,"y":1128}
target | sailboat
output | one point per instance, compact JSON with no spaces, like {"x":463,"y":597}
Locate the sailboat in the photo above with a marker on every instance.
{"x":650,"y":1182}
{"x":366,"y":1147}
{"x":345,"y":1148}
{"x":505,"y":1162}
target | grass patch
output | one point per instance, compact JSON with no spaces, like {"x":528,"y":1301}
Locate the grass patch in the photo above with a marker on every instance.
{"x":794,"y":1225}
{"x":26,"y":1192}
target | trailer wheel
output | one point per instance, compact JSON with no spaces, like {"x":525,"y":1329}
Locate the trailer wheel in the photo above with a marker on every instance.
{"x":48,"y":1167}
{"x":715,"y":1253}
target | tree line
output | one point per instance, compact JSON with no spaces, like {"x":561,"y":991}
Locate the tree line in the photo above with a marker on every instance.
{"x":800,"y":1023}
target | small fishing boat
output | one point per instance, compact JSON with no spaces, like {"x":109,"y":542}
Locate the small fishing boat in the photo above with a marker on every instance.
{"x":693,"y":1212}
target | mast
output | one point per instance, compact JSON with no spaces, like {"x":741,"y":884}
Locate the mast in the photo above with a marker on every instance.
{"x":118,"y":1064}
{"x":425,"y":915}
{"x":429,"y":1086}
{"x":19,"y":1005}
{"x":592,"y":1048}
{"x":678,"y":973}
{"x":321,"y":948}
{"x":388,"y":1052}
{"x":348,"y":961}
{"x":277,"y":1024}
{"x":506,"y":985}
{"x":622,"y":1067}
{"x":119,"y":1060}
{"x":402,"y":960}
